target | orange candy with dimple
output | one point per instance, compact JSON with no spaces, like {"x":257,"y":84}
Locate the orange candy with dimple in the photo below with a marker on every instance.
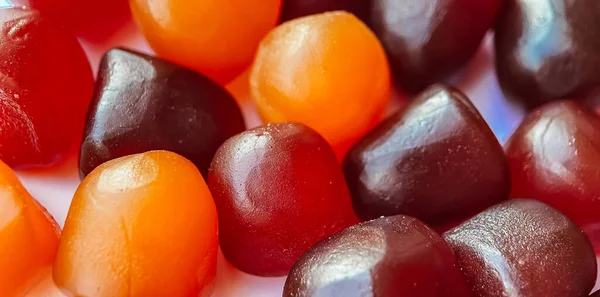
{"x":326,"y":71}
{"x":217,"y":38}
{"x":141,"y":225}
{"x":28,"y":237}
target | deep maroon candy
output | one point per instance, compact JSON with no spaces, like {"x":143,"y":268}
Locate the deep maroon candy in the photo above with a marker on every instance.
{"x":298,"y":8}
{"x":436,"y":160}
{"x":524,"y":248}
{"x":597,"y":294}
{"x":428,"y":40}
{"x":387,"y":257}
{"x":143,"y":103}
{"x":548,"y":49}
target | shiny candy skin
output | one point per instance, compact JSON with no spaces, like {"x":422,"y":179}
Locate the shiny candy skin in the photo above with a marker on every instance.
{"x":28,"y":237}
{"x":386,"y":257}
{"x":141,"y":225}
{"x":553,"y":157}
{"x":428,"y":40}
{"x":144,"y":103}
{"x":279,"y":189}
{"x":293,"y":9}
{"x":524,"y":248}
{"x":548,"y":49}
{"x":304,"y":72}
{"x":597,"y":294}
{"x":89,"y":18}
{"x":436,"y":160}
{"x":217,"y":38}
{"x":43,"y":100}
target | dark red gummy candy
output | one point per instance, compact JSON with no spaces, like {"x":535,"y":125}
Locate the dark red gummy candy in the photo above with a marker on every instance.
{"x":436,"y":160}
{"x":45,"y":88}
{"x":548,"y":49}
{"x":143,"y":103}
{"x":428,"y":40}
{"x":554,"y":157}
{"x":298,"y":8}
{"x":92,"y":18}
{"x":279,"y":190}
{"x":386,"y":257}
{"x":524,"y":248}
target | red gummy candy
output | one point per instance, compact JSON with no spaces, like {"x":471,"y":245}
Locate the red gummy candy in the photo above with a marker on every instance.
{"x":87,"y":17}
{"x":279,"y":190}
{"x":554,"y":158}
{"x":45,"y":88}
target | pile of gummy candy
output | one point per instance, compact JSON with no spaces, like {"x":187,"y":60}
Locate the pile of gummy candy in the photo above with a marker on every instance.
{"x":347,"y":203}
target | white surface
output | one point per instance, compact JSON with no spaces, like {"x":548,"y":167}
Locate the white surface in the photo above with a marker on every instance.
{"x":54,"y":188}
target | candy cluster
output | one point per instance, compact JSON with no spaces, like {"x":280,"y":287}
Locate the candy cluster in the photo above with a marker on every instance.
{"x":343,"y":200}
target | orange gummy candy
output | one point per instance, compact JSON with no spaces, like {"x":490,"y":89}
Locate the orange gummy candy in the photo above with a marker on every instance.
{"x":326,"y":71}
{"x":141,"y":225}
{"x":28,"y":237}
{"x":217,"y":38}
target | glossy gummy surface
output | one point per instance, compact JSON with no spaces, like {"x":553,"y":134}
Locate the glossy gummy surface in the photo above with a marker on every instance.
{"x":548,"y":49}
{"x":293,"y":9}
{"x":386,"y":257}
{"x":217,"y":38}
{"x":142,"y":103}
{"x":304,"y":72}
{"x":141,"y":225}
{"x":428,"y":40}
{"x":554,"y":158}
{"x":524,"y":248}
{"x":279,"y":189}
{"x":28,"y":237}
{"x":43,"y":100}
{"x":436,"y":160}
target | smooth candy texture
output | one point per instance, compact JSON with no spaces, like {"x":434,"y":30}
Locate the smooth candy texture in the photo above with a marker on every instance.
{"x":436,"y":160}
{"x":92,"y":18}
{"x":217,"y":38}
{"x":524,"y":248}
{"x":548,"y":49}
{"x":597,"y":294}
{"x":304,"y":72}
{"x":28,"y":237}
{"x":428,"y":40}
{"x":45,"y":89}
{"x":143,"y":103}
{"x":293,"y":9}
{"x":279,"y":190}
{"x":387,"y":257}
{"x":141,"y":225}
{"x":553,"y":157}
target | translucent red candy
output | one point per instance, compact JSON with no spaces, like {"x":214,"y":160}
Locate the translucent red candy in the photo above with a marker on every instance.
{"x":279,"y":189}
{"x":293,"y":9}
{"x":428,"y":40}
{"x":554,"y":157}
{"x":92,"y":18}
{"x":548,"y":49}
{"x":524,"y":248}
{"x":144,"y":103}
{"x":436,"y":160}
{"x":387,"y":257}
{"x":45,"y":88}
